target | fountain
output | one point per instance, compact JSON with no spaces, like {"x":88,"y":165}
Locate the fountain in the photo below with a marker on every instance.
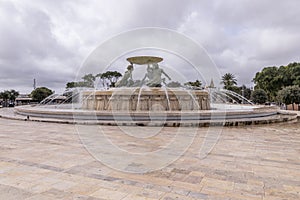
{"x":153,"y":97}
{"x":150,"y":102}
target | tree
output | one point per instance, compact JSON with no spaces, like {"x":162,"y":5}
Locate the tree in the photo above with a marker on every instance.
{"x":259,"y":96}
{"x":89,"y":80}
{"x":229,"y":81}
{"x":235,"y":89}
{"x":290,"y":95}
{"x":5,"y":96}
{"x":102,"y":80}
{"x":111,"y":76}
{"x":9,"y":96}
{"x":245,"y":91}
{"x":70,"y":85}
{"x":273,"y":79}
{"x":13,"y":94}
{"x":108,"y":78}
{"x":241,"y":90}
{"x":196,"y":84}
{"x":40,"y":93}
{"x":294,"y":72}
{"x":269,"y":80}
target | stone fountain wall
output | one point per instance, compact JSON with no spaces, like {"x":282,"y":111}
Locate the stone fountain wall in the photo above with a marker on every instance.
{"x":146,"y":99}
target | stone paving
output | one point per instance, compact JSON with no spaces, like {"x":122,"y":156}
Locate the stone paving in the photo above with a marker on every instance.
{"x":48,"y":161}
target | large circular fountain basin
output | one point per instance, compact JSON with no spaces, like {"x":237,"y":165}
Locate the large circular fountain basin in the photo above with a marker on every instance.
{"x":152,"y":106}
{"x":231,"y":117}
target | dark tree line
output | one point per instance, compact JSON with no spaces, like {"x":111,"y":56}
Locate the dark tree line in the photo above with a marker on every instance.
{"x":8,"y":97}
{"x":274,"y":84}
{"x":273,"y":79}
{"x":107,"y":79}
{"x":40,"y":94}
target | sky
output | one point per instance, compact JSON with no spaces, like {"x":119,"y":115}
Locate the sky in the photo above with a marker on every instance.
{"x":50,"y":40}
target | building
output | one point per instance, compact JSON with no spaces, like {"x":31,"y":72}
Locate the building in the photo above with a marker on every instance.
{"x":23,"y":99}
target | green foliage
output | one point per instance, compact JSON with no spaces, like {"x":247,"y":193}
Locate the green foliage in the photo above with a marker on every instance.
{"x":4,"y":95}
{"x":195,"y":84}
{"x":110,"y":76}
{"x":78,"y":84}
{"x":40,"y":93}
{"x":289,"y":95}
{"x":235,"y":89}
{"x":229,"y":81}
{"x":272,"y":79}
{"x":9,"y":95}
{"x":88,"y":80}
{"x":13,"y":94}
{"x":244,"y":91}
{"x":71,"y":85}
{"x":259,"y":96}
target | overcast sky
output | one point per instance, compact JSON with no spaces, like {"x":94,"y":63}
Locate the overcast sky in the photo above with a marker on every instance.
{"x":49,"y":40}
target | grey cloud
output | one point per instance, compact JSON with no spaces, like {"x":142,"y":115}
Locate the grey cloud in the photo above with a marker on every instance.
{"x":28,"y":48}
{"x":244,"y":36}
{"x":49,"y":40}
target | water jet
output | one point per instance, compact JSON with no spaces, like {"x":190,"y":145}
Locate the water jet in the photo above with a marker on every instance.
{"x":152,"y":103}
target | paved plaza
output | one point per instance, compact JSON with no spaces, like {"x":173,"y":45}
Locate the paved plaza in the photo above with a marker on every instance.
{"x":48,"y":161}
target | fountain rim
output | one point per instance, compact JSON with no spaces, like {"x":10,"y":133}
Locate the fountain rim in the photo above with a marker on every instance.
{"x":28,"y":110}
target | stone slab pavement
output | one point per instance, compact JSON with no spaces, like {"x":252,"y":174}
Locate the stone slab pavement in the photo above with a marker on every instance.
{"x":48,"y":161}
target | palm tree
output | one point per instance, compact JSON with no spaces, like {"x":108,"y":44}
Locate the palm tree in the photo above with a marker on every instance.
{"x":13,"y":94}
{"x":228,"y":80}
